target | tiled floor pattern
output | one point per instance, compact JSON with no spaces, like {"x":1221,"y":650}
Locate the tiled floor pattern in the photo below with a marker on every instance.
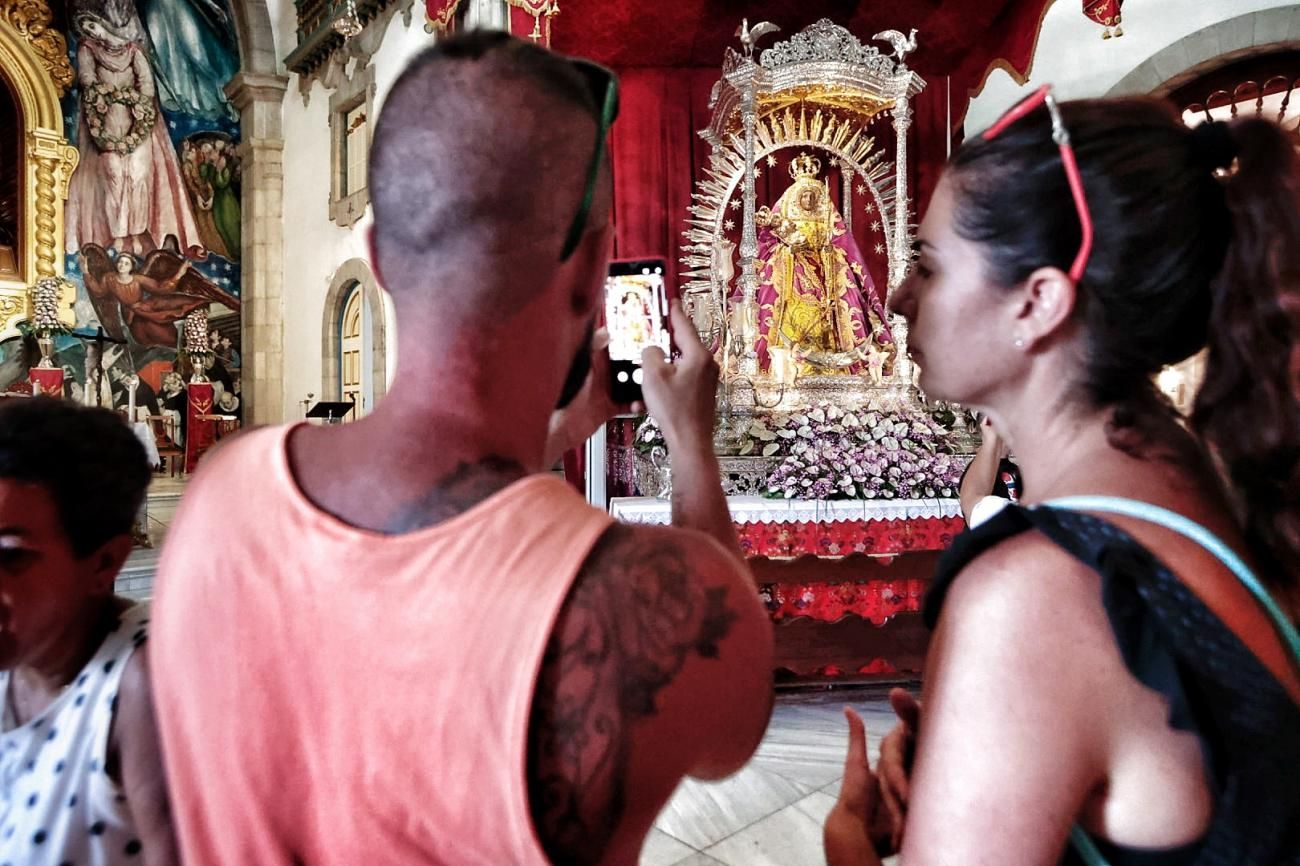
{"x":771,"y":812}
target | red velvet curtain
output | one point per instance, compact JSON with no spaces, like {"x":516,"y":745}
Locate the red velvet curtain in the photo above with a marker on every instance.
{"x":658,"y":156}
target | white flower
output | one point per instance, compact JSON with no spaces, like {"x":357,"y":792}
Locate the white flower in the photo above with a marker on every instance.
{"x":817,"y":415}
{"x":770,"y":448}
{"x":747,"y":447}
{"x":805,"y":431}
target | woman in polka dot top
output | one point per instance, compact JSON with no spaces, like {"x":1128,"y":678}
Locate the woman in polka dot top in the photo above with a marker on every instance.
{"x":81,"y":775}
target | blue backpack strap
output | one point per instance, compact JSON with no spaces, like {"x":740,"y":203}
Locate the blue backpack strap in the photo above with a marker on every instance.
{"x":1202,"y":536}
{"x":1087,"y":849}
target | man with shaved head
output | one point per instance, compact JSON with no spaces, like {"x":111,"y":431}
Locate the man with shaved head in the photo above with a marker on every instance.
{"x":409,"y":643}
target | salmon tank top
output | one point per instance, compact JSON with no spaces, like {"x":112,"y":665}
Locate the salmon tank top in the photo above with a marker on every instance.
{"x":331,"y":695}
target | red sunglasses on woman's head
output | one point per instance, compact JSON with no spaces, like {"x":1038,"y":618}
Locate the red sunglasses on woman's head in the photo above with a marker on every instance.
{"x":1043,"y":96}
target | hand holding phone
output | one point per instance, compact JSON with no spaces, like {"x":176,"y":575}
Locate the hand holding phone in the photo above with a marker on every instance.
{"x":636,"y":312}
{"x":682,"y":396}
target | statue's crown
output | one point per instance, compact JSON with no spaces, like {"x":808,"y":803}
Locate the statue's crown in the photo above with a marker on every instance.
{"x":804,"y":165}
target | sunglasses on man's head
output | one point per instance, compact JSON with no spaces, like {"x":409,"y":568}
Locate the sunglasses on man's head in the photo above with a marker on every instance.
{"x":1043,"y":96}
{"x":604,"y":89}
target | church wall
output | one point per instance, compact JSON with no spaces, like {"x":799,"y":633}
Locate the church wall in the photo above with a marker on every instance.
{"x":315,"y":247}
{"x":1073,"y":57}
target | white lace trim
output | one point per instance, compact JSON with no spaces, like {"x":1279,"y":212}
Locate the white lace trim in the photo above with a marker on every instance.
{"x":758,"y":509}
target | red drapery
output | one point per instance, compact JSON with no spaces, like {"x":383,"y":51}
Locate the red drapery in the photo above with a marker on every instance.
{"x":440,"y":12}
{"x":1106,"y":13}
{"x":50,"y":379}
{"x":200,"y":430}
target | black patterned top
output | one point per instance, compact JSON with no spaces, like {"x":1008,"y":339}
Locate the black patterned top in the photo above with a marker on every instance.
{"x":1248,"y":726}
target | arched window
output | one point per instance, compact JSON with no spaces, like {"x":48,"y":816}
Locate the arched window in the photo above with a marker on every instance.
{"x":353,"y":340}
{"x":355,"y":381}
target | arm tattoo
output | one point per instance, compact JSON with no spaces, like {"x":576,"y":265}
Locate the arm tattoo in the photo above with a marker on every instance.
{"x":634,"y":614}
{"x":455,"y":493}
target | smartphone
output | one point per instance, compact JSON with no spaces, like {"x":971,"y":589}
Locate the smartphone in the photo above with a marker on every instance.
{"x":636,"y":315}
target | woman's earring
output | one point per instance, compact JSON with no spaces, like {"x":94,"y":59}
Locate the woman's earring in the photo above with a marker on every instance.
{"x":1020,"y":342}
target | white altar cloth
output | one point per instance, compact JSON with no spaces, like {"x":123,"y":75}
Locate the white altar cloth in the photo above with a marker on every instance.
{"x":759,"y":509}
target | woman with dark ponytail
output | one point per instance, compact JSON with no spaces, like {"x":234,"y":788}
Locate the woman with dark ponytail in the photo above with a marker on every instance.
{"x":1113,"y":676}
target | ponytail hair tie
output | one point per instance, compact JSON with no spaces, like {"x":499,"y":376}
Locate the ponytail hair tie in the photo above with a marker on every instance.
{"x":1214,"y":145}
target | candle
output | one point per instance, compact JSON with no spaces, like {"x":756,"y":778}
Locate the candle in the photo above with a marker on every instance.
{"x":782,"y":365}
{"x":132,"y":383}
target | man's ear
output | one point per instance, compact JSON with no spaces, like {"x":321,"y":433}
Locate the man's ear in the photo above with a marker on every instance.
{"x":107,"y":561}
{"x":374,"y":257}
{"x":591,"y":258}
{"x":1046,"y":304}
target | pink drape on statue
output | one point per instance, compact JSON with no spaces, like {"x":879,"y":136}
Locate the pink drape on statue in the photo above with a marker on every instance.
{"x":859,"y":290}
{"x":115,"y":195}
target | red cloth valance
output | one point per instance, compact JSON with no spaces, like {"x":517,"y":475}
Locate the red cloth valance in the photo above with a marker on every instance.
{"x":1106,"y":13}
{"x":440,"y":12}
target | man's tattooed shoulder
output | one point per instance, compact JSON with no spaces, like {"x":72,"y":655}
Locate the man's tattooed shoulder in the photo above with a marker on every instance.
{"x":637,"y":611}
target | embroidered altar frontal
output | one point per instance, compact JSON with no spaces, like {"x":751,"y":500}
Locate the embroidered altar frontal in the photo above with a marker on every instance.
{"x":842,"y":580}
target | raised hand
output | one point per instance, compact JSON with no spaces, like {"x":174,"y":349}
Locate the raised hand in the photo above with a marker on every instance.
{"x":593,"y":406}
{"x":682,"y":396}
{"x":895,"y":764}
{"x":847,"y":833}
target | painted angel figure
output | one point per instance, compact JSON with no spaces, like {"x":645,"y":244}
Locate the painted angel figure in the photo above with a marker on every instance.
{"x":143,"y":300}
{"x":814,"y":294}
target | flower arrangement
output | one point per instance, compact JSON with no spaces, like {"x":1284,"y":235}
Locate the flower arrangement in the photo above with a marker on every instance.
{"x":98,"y":98}
{"x":828,"y":453}
{"x":833,"y":454}
{"x":44,"y":323}
{"x":196,"y":333}
{"x":45,"y":306}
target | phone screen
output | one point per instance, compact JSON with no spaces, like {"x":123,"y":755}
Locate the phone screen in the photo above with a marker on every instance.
{"x":636,"y":313}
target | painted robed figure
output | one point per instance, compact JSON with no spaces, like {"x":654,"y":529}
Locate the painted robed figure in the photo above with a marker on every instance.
{"x":815,"y":294}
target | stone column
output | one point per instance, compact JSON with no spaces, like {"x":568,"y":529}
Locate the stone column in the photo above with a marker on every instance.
{"x":259,"y":99}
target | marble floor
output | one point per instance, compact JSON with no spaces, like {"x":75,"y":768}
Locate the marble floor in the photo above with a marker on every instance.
{"x":770,"y":813}
{"x":136,"y":578}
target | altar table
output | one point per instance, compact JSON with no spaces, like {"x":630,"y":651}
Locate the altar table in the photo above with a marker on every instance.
{"x":843,"y":580}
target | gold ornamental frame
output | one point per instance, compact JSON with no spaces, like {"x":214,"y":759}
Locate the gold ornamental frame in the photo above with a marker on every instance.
{"x":822,"y":89}
{"x":33,"y":62}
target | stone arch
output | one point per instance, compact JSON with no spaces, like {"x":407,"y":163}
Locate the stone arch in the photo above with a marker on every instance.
{"x":256,"y":38}
{"x":352,"y":273}
{"x":1246,"y":35}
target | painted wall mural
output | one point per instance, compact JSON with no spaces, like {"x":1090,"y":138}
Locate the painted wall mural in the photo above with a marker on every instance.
{"x":153,"y":212}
